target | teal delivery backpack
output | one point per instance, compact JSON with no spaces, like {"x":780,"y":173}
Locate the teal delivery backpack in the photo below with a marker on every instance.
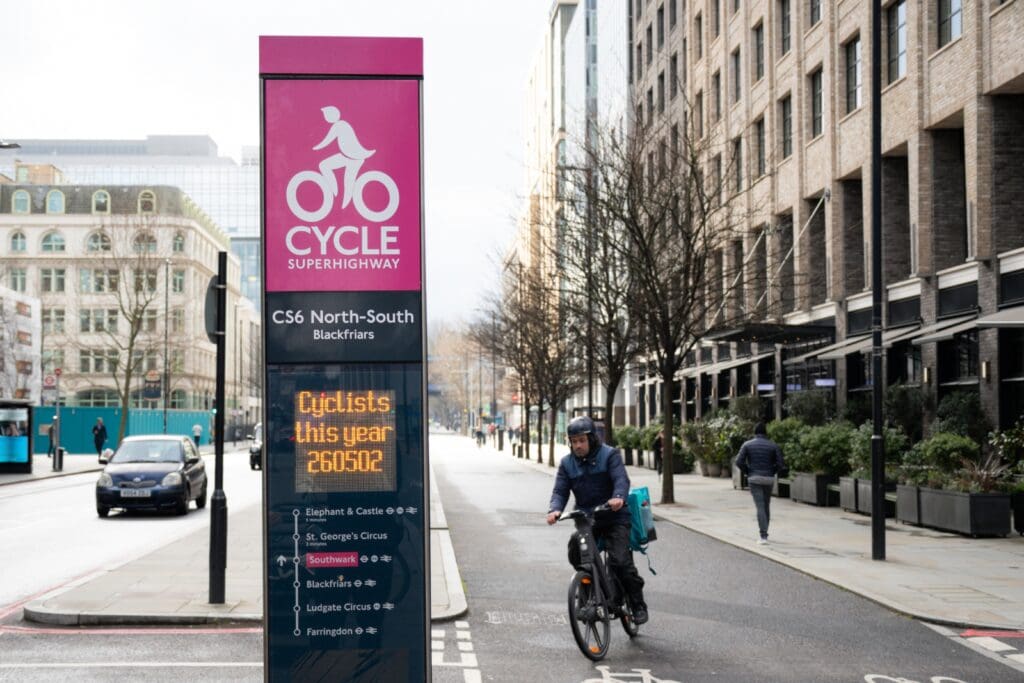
{"x":641,"y":530}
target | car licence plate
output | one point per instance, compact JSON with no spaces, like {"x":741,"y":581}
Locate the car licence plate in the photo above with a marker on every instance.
{"x":136,"y":493}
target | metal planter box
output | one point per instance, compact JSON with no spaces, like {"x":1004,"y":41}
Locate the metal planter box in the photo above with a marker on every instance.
{"x":908,"y":504}
{"x":848,"y":490}
{"x":811,"y":488}
{"x":864,"y":497}
{"x":973,"y":514}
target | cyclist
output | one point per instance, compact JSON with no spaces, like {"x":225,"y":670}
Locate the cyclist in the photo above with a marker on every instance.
{"x":595,"y":474}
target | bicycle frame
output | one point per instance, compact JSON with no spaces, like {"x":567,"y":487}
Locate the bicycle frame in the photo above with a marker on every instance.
{"x":608,"y":593}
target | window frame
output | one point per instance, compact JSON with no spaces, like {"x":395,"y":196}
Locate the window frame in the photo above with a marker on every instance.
{"x":52,"y":198}
{"x":813,"y":13}
{"x":785,"y":27}
{"x":21,"y":195}
{"x":758,"y":40}
{"x":949,"y":19}
{"x":52,"y":280}
{"x":896,"y":41}
{"x":53,"y":243}
{"x":96,"y":196}
{"x":18,"y":242}
{"x":815,"y":91}
{"x":786,"y":127}
{"x":147,"y":197}
{"x":853,"y":59}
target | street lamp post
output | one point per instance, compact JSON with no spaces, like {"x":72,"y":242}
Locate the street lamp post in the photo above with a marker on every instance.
{"x":167,"y":320}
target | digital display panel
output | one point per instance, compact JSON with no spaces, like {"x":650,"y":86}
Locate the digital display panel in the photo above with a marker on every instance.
{"x":14,"y":435}
{"x":345,"y":441}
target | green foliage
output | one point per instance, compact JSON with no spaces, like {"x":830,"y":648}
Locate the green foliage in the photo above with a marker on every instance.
{"x":812,"y":407}
{"x":857,"y":408}
{"x":982,"y":476}
{"x":826,"y":449}
{"x":905,"y":407}
{"x":729,"y":434}
{"x":627,"y":436}
{"x":1008,"y":444}
{"x":935,"y":462}
{"x":961,"y":413}
{"x":896,"y":444}
{"x":747,"y":408}
{"x":700,"y":439}
{"x":786,"y":433}
{"x":648,"y":434}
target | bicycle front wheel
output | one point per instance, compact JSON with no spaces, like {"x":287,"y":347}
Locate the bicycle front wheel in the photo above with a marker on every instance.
{"x":589,"y":618}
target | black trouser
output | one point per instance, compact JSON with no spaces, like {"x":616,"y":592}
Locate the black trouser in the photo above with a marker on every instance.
{"x":620,"y":559}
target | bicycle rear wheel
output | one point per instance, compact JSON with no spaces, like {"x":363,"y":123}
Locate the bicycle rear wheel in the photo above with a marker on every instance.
{"x":628,"y":625}
{"x":589,"y":618}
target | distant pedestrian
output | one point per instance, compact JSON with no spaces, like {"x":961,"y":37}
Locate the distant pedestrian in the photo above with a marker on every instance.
{"x":53,"y":431}
{"x":197,"y":433}
{"x":99,"y":435}
{"x":658,"y":441}
{"x":761,"y":459}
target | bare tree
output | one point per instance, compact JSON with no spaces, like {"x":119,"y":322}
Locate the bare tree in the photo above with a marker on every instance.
{"x":665,"y":193}
{"x":16,"y":361}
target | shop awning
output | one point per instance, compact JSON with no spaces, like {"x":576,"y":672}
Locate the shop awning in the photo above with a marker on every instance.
{"x":1008,"y":317}
{"x":889,"y":337}
{"x":771,"y":333}
{"x":817,"y":353}
{"x":946,"y":330}
{"x":721,"y":366}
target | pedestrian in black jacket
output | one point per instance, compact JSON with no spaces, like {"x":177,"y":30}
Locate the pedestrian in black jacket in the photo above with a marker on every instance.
{"x":761,"y":459}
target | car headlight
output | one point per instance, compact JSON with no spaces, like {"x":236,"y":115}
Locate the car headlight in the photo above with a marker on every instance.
{"x":105,"y":480}
{"x":172,"y":479}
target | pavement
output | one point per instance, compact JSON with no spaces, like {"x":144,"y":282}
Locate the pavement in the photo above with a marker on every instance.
{"x":930,"y":575}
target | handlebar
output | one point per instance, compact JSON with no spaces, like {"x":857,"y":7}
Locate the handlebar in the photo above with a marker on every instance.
{"x":581,"y":514}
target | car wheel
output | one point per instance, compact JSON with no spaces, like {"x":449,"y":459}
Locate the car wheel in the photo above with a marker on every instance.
{"x":201,"y":500}
{"x":182,"y":507}
{"x":102,"y":510}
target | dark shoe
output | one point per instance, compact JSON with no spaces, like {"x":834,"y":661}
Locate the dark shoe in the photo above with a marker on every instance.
{"x":640,"y":615}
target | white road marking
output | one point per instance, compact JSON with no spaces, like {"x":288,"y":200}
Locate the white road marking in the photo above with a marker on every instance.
{"x":437,"y":645}
{"x":437,"y":633}
{"x":990,"y":643}
{"x":471,"y":676}
{"x":463,"y":635}
{"x":465,"y":647}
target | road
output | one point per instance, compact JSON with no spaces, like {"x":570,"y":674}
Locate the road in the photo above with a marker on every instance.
{"x":717,"y":613}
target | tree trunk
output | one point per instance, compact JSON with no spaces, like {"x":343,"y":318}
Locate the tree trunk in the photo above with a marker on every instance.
{"x":667,"y":447}
{"x":540,"y":431}
{"x":551,"y":436}
{"x":609,"y":406}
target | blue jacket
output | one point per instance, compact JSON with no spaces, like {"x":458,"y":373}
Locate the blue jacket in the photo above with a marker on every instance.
{"x":761,"y":457}
{"x":592,"y":480}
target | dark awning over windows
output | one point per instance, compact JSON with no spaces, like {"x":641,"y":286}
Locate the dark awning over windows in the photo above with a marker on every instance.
{"x":771,"y":333}
{"x":1008,"y":317}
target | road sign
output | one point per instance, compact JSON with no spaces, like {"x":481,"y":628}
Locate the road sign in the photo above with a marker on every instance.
{"x":345,"y":500}
{"x":49,"y":382}
{"x":57,"y":372}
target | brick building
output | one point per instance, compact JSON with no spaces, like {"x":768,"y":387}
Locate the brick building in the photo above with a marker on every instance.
{"x":780,"y":90}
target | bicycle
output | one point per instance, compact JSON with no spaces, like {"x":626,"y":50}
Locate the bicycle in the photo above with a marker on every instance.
{"x":595,"y":594}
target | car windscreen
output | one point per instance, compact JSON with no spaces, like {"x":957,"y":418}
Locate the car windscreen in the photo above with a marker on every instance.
{"x":148,"y":451}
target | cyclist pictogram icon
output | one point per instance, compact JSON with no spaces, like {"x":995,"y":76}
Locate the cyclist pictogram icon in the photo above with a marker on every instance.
{"x":638,"y":675}
{"x":350,"y":157}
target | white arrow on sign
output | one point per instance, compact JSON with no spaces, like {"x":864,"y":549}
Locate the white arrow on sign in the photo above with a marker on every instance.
{"x":281,"y":560}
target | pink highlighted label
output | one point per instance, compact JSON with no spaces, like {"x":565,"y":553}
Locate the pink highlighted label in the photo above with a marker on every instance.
{"x":316,"y":560}
{"x":342,"y":185}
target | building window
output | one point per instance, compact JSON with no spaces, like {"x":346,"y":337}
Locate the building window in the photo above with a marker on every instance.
{"x":698,"y":104}
{"x":97,"y":320}
{"x":97,"y":361}
{"x":149,"y":318}
{"x":737,"y":76}
{"x":673,"y":76}
{"x":98,"y":398}
{"x":178,"y":281}
{"x":853,"y":79}
{"x":20,"y":202}
{"x":759,"y":142}
{"x":16,"y":279}
{"x":53,"y":242}
{"x":661,"y":27}
{"x":759,"y":52}
{"x":672,"y":14}
{"x":147,"y":201}
{"x":53,"y":358}
{"x":784,"y":31}
{"x":144,"y":243}
{"x":53,"y":320}
{"x":698,"y":36}
{"x":97,"y":280}
{"x":662,"y":159}
{"x":786,"y":129}
{"x":661,"y":93}
{"x":674,"y":149}
{"x":650,"y":44}
{"x":639,"y":61}
{"x":814,"y":13}
{"x":179,"y":243}
{"x":54,"y":201}
{"x":177,"y":320}
{"x":737,"y":160}
{"x":950,"y":21}
{"x":101,"y":201}
{"x":716,"y":18}
{"x":18,"y":242}
{"x":716,"y":180}
{"x":52,"y":279}
{"x":98,"y":242}
{"x":144,"y":281}
{"x":897,"y":40}
{"x":716,"y":97}
{"x":816,"y":104}
{"x":639,"y":8}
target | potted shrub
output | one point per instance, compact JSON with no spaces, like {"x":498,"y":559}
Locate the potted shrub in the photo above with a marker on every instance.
{"x":1009,"y":445}
{"x":647,"y":436}
{"x":700,"y":442}
{"x":812,"y":407}
{"x":855,"y":490}
{"x":682,"y":458}
{"x":627,"y":436}
{"x":968,"y":496}
{"x":1017,"y":504}
{"x":786,"y":433}
{"x":825,"y":455}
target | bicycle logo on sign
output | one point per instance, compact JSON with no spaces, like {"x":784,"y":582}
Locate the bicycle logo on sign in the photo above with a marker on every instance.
{"x":350,"y":157}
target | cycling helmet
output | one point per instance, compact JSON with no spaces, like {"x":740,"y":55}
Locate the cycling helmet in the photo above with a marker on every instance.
{"x":583,"y":425}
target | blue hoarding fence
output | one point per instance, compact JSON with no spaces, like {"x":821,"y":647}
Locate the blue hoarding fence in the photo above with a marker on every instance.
{"x":77,"y":423}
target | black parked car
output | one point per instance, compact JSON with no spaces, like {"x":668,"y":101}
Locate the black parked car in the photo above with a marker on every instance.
{"x":256,"y":448}
{"x":152,"y":472}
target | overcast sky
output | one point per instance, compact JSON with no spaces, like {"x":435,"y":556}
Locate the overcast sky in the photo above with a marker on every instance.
{"x":126,"y":69}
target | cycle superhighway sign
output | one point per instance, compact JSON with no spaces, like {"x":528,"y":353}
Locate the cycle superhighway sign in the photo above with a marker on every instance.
{"x":346,"y":592}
